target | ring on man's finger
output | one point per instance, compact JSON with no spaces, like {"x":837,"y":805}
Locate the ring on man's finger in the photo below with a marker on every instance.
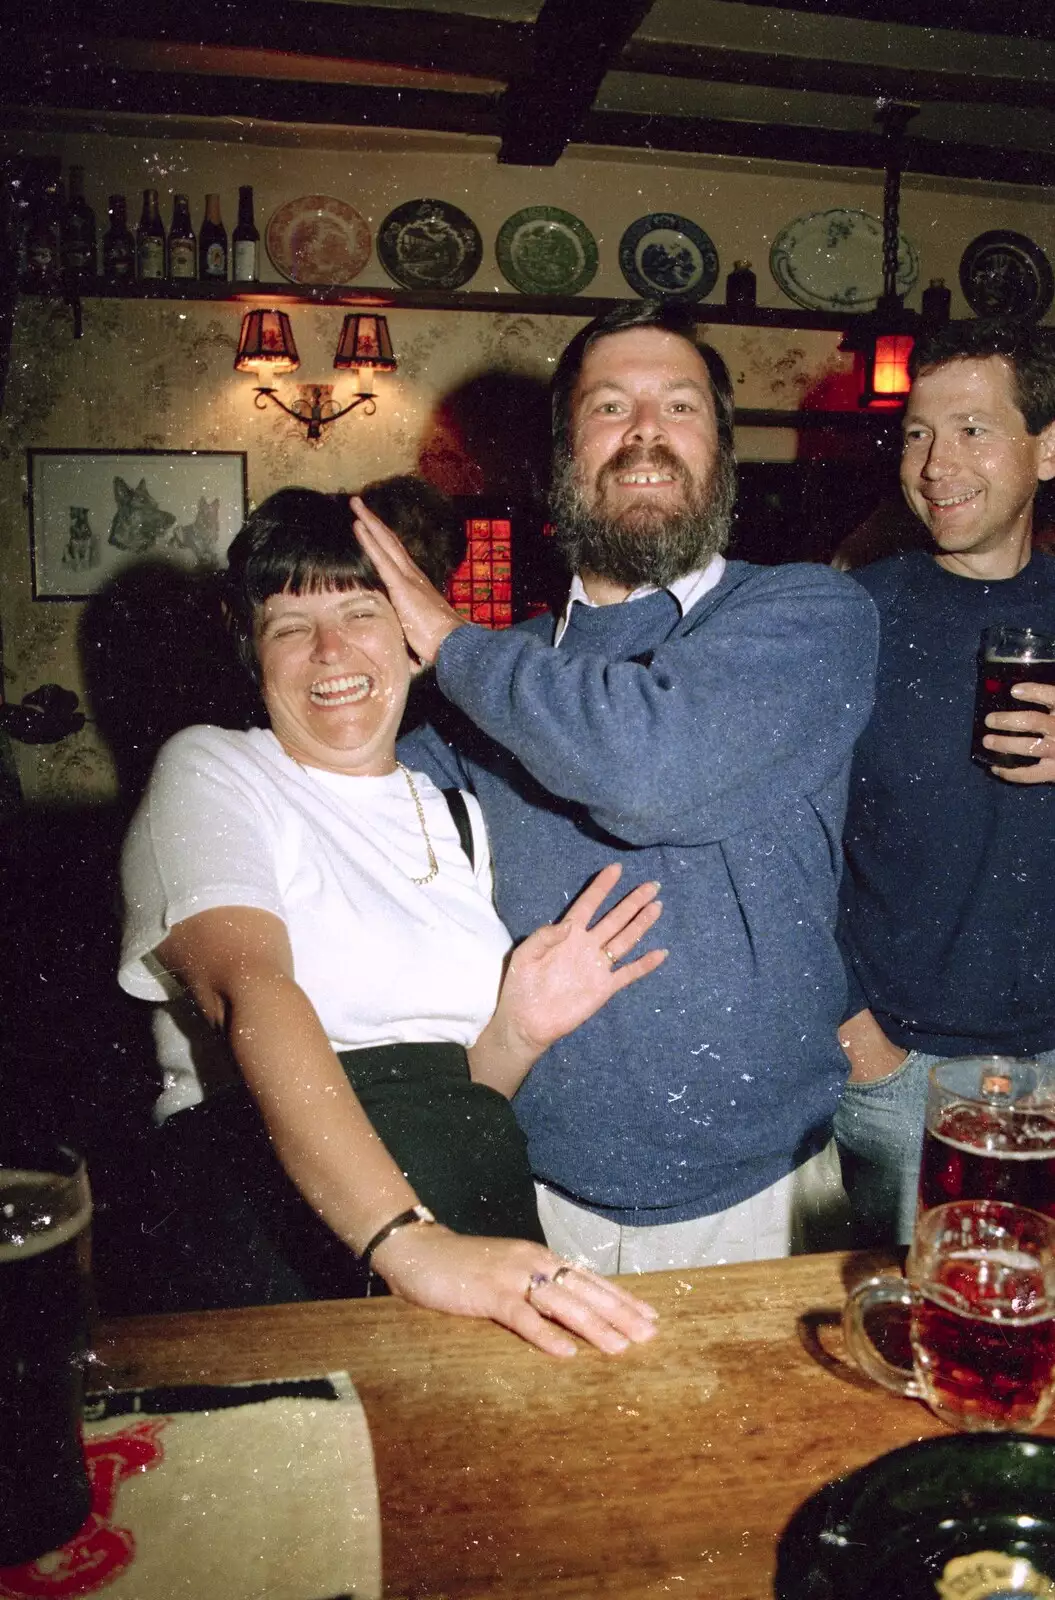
{"x":608,"y":956}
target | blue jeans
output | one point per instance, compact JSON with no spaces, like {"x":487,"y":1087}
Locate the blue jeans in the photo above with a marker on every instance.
{"x":879,"y":1129}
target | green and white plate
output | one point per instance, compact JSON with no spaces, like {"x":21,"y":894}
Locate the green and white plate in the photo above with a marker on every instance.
{"x":833,"y":261}
{"x":543,"y":250}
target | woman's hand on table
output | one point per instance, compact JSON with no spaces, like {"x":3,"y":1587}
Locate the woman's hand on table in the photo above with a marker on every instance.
{"x":562,"y":974}
{"x":512,"y":1282}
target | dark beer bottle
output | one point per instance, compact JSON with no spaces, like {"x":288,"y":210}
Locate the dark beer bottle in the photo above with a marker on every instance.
{"x":79,"y":257}
{"x":212,"y":243}
{"x":183,"y":245}
{"x":44,"y":238}
{"x":150,"y":240}
{"x":245,"y":240}
{"x":119,"y":251}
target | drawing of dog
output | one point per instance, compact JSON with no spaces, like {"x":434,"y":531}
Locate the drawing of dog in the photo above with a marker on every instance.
{"x":138,"y":521}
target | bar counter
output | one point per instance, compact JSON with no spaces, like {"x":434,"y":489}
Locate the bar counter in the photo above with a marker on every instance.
{"x":502,"y":1472}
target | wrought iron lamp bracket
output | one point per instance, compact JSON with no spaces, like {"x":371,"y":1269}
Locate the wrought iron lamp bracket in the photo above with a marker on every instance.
{"x":321,"y":409}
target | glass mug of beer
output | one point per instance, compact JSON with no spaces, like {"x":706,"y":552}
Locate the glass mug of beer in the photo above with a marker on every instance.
{"x":979,"y":1286}
{"x":1008,"y":656}
{"x":989,"y":1133}
{"x":45,"y":1210}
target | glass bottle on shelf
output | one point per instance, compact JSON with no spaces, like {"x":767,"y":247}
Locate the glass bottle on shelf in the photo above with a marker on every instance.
{"x":150,"y":240}
{"x":119,"y":250}
{"x":44,"y":237}
{"x":212,"y":243}
{"x":79,"y":255}
{"x":183,"y":244}
{"x":936,"y":303}
{"x":245,"y":240}
{"x":741,"y":287}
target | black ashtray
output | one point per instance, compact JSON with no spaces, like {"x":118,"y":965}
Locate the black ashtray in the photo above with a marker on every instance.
{"x":969,"y":1517}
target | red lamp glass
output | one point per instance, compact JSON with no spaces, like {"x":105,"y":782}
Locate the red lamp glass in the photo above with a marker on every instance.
{"x":890,"y":382}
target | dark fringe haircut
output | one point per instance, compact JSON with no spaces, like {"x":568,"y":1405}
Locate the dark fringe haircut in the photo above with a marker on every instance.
{"x":297,"y":541}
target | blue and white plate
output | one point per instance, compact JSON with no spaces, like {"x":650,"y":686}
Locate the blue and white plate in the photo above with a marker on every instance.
{"x":666,"y":257}
{"x":833,"y":261}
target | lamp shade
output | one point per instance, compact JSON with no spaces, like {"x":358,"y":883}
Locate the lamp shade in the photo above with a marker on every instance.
{"x":266,"y":344}
{"x":365,"y":342}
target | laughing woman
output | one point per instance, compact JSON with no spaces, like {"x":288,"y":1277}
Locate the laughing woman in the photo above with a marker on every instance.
{"x":297,"y":896}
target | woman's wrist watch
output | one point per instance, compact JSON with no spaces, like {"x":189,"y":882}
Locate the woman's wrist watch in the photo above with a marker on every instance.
{"x":417,"y":1213}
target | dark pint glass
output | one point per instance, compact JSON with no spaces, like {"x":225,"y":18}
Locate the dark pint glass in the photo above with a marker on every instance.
{"x":45,"y":1209}
{"x":1008,"y":656}
{"x":989,"y":1133}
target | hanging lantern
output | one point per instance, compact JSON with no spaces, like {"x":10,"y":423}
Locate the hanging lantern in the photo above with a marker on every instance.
{"x":885,"y":336}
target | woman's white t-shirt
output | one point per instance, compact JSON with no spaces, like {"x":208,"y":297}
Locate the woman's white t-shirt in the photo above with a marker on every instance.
{"x":229,"y":819}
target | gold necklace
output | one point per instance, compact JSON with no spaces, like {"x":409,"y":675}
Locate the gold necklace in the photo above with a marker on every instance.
{"x":434,"y":865}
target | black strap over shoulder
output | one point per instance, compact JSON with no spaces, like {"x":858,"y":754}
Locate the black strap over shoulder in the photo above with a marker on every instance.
{"x":460,"y":814}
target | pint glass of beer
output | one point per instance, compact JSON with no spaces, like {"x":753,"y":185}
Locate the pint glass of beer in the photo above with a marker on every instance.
{"x":989,"y":1133}
{"x":980,"y":1289}
{"x":1008,"y":656}
{"x":45,"y":1209}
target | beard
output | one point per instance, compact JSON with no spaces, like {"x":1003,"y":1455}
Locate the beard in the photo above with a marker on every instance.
{"x":644,"y":544}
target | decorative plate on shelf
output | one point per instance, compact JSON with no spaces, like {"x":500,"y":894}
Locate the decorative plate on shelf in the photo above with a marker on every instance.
{"x":428,"y":244}
{"x":833,"y":261}
{"x":543,"y":250}
{"x":1004,"y":274}
{"x":317,"y":239}
{"x":668,"y":257}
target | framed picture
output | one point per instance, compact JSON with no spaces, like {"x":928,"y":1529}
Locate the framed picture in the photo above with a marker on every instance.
{"x":93,"y":513}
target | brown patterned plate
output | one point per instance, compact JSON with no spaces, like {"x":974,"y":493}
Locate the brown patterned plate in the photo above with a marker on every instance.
{"x":317,"y":239}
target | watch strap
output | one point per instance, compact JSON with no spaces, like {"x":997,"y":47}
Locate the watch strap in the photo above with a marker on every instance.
{"x":417,"y":1213}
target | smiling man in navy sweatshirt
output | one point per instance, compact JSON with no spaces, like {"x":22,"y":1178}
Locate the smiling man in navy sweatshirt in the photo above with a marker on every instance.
{"x":694,"y":719}
{"x":949,"y":913}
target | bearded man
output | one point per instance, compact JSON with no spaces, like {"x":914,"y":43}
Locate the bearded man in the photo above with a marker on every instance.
{"x":693,"y":718}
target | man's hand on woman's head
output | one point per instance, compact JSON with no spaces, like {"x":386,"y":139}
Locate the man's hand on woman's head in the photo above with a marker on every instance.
{"x":424,"y":614}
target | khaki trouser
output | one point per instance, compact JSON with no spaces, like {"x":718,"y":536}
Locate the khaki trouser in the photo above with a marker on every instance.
{"x":803,"y":1212}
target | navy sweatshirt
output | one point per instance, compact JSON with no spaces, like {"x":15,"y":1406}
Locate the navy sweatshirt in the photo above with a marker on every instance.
{"x":710,"y":752}
{"x":949,"y":897}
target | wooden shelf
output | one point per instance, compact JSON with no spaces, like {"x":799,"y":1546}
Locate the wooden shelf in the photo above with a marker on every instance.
{"x":386,"y":298}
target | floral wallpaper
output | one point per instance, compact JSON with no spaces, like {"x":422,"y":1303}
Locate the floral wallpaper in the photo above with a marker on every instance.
{"x":467,"y":408}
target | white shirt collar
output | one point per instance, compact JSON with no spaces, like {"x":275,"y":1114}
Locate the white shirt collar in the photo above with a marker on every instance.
{"x":689,"y":588}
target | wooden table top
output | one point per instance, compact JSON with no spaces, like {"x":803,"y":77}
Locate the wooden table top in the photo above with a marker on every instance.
{"x":502,"y":1472}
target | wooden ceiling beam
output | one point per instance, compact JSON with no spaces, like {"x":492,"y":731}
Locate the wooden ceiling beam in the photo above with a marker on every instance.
{"x":822,"y":147}
{"x":1019,"y":19}
{"x":776,"y":70}
{"x":572,"y":46}
{"x":424,"y":39}
{"x":91,"y":89}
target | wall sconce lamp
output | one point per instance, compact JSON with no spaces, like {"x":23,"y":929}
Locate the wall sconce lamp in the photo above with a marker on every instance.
{"x":267,"y":346}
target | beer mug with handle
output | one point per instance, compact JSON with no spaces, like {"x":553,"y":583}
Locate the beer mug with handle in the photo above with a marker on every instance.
{"x":979,"y":1287}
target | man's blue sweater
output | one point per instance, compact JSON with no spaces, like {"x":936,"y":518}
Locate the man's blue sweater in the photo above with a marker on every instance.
{"x":710,"y":752}
{"x":948,"y":902}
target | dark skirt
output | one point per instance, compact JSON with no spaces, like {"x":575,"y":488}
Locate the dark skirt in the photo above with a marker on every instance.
{"x":232,"y":1229}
